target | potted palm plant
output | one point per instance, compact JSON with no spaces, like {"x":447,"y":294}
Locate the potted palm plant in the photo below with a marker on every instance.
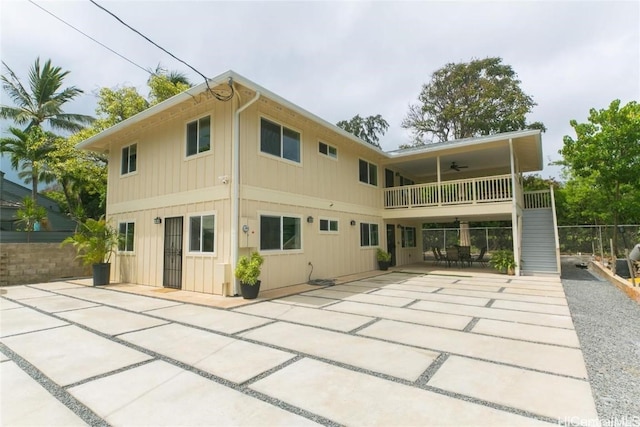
{"x":248,"y":271}
{"x":503,"y":261}
{"x":95,"y":242}
{"x":384,"y":259}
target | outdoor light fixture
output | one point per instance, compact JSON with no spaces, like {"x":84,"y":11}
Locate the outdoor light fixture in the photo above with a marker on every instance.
{"x":157,"y":220}
{"x":353,"y":222}
{"x":399,"y":226}
{"x":310,"y":219}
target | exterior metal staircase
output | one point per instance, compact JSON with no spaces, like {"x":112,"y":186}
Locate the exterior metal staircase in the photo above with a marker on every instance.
{"x":540,"y":246}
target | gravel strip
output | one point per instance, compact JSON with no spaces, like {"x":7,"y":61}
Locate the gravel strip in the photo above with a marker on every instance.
{"x":608,"y":326}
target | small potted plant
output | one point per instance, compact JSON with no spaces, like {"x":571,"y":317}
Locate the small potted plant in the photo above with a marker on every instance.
{"x":384,"y":259}
{"x":248,"y":271}
{"x":95,"y":242}
{"x":503,"y":261}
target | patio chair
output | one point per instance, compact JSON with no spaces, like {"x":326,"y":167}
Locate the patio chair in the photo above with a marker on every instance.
{"x":480,"y":258}
{"x":440,"y":255}
{"x":453,"y":255}
{"x":436,"y":255}
{"x":464,"y":254}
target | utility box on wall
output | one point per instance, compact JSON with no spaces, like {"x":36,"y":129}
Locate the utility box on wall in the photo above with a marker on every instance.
{"x":248,"y":233}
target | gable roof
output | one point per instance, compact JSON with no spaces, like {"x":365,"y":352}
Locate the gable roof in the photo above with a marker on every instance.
{"x":530,"y":137}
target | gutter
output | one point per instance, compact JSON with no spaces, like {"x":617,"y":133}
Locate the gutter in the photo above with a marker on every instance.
{"x":235,"y":188}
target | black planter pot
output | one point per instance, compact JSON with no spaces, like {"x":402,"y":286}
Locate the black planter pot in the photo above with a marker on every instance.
{"x":250,"y":291}
{"x":384,"y":265}
{"x":101,"y":274}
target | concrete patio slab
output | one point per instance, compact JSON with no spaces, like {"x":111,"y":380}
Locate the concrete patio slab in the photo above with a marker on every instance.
{"x":69,"y":354}
{"x":372,"y":298}
{"x":22,"y":292}
{"x":451,"y":321}
{"x":532,"y":307}
{"x":111,"y":321}
{"x":544,"y":334}
{"x":52,"y":286}
{"x":306,"y":301}
{"x":25,"y":403}
{"x":210,"y":318}
{"x":3,"y":358}
{"x":307,"y":316}
{"x":544,"y":357}
{"x":543,"y":394}
{"x":118,"y":299}
{"x":57,"y":303}
{"x":22,"y":320}
{"x":552,"y":320}
{"x":385,"y":358}
{"x":224,"y":357}
{"x":163,"y":395}
{"x":362,"y":284}
{"x":440,"y":296}
{"x":5,"y":304}
{"x":536,"y":292}
{"x":508,"y":297}
{"x":433,"y":287}
{"x":348,"y":287}
{"x":353,"y":398}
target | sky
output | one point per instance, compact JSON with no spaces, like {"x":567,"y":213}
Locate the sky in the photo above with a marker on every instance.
{"x":337,"y":59}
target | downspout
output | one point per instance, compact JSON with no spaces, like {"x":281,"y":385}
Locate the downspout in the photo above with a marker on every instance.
{"x":235,"y":189}
{"x":515,"y":225}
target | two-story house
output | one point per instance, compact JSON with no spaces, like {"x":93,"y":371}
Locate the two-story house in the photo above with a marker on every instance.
{"x":229,"y":167}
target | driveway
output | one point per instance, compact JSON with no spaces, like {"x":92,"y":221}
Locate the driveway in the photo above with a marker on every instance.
{"x":403,"y":348}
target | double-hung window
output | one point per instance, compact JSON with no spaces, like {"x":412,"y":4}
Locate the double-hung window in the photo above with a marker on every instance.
{"x":199,"y":136}
{"x":368,"y":173}
{"x":126,"y":231}
{"x":408,"y":237}
{"x":327,"y":150}
{"x":129,"y":159}
{"x":328,"y":225}
{"x":279,"y":141}
{"x":280,"y":233}
{"x":202,"y":233}
{"x":368,"y":234}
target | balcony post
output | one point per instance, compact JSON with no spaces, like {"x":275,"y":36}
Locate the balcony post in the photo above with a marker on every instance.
{"x":515,"y":218}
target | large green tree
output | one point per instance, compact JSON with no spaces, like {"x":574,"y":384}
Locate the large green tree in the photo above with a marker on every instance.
{"x":42,"y":100}
{"x":369,"y":129}
{"x":469,"y":99}
{"x":164,"y":84}
{"x":603,"y":164}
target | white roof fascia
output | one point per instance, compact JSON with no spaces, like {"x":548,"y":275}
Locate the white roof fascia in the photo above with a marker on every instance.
{"x":467,"y":142}
{"x":221,"y":79}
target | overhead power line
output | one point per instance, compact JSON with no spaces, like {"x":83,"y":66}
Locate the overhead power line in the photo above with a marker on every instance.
{"x":89,"y":37}
{"x":206,"y":79}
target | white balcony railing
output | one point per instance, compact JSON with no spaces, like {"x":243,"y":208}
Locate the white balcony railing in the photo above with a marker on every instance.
{"x":489,"y":189}
{"x":540,"y":199}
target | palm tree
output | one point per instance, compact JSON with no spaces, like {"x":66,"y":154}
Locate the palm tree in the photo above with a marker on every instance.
{"x":28,"y":152}
{"x":42,"y":101}
{"x":164,"y":84}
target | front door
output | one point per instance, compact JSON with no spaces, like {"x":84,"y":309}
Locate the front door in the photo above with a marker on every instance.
{"x":173,"y":253}
{"x":391,"y":242}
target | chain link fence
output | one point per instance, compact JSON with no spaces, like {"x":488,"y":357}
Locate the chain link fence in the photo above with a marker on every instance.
{"x":493,"y":238}
{"x":595,"y":239}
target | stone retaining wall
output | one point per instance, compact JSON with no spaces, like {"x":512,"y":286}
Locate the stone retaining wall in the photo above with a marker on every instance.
{"x":22,"y":263}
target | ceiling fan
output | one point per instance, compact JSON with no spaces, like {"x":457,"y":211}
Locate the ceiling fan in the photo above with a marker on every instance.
{"x":456,"y":167}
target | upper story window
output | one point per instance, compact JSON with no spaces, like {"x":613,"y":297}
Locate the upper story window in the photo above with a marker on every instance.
{"x":327,"y":150}
{"x":368,"y":234}
{"x":126,"y":230}
{"x":129,"y":159}
{"x":280,"y":233}
{"x":328,"y":225}
{"x":202,"y":233}
{"x":408,"y":237}
{"x":368,"y":173}
{"x":199,"y":136}
{"x":279,"y":141}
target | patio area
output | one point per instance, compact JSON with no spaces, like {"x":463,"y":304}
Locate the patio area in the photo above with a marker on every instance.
{"x":421,"y":345}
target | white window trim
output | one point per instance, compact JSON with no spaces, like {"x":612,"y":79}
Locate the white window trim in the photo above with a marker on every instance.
{"x":187,"y":235}
{"x":184,"y":138}
{"x":377,"y":173}
{"x":328,"y":231}
{"x":135,"y":245}
{"x":281,"y":251}
{"x":271,"y":156}
{"x":335,"y":159}
{"x":135,"y":172}
{"x":360,"y":237}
